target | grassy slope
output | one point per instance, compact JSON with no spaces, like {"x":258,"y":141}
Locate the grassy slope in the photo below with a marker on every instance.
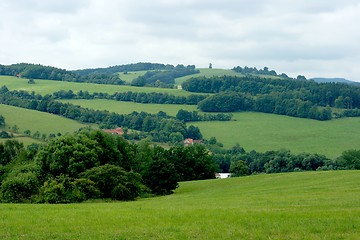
{"x":258,"y":131}
{"x":308,"y":205}
{"x":128,"y":107}
{"x":261,"y":132}
{"x":207,"y":72}
{"x":38,"y":121}
{"x":131,"y":75}
{"x":47,"y":87}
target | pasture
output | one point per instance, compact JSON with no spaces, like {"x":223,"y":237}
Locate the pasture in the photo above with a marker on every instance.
{"x":128,"y":107}
{"x":131,"y":75}
{"x":32,"y":120}
{"x":207,"y":72}
{"x":306,"y":205}
{"x":213,"y":72}
{"x":262,"y":132}
{"x":48,"y":86}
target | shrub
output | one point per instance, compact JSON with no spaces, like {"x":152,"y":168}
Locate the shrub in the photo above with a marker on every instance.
{"x":114,"y":182}
{"x":19,"y":188}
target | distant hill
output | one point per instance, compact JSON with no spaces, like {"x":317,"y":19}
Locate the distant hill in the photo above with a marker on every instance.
{"x":335,"y":80}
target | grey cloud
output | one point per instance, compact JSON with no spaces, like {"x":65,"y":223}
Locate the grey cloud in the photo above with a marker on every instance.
{"x":296,"y":36}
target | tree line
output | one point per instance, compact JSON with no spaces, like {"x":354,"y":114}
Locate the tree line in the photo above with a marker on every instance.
{"x":277,"y":103}
{"x":323,"y":94}
{"x":129,"y":96}
{"x":264,"y":71}
{"x":298,"y":98}
{"x":37,"y":71}
{"x":240,"y":162}
{"x":93,"y":164}
{"x":133,"y":67}
{"x":158,"y":75}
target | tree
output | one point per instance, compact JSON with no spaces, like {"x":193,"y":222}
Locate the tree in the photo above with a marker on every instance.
{"x":15,"y":128}
{"x":70,"y":155}
{"x":194,"y":133}
{"x":239,"y":168}
{"x":161,"y":176}
{"x":2,"y":121}
{"x":114,"y":182}
{"x":350,"y":159}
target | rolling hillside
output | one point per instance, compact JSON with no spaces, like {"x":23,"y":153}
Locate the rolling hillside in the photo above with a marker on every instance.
{"x":308,"y":205}
{"x":38,"y":121}
{"x":263,"y":132}
{"x":49,"y":86}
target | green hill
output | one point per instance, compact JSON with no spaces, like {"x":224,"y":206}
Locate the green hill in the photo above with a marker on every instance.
{"x":307,"y":205}
{"x":49,"y":86}
{"x":211,"y":72}
{"x":262,"y":132}
{"x":37,"y":121}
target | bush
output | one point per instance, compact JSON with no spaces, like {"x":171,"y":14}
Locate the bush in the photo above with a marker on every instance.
{"x":19,"y":188}
{"x":239,"y":168}
{"x":114,"y":182}
{"x":350,"y":159}
{"x":65,"y":190}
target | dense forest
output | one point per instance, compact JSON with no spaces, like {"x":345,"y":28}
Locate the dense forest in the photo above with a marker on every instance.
{"x":298,"y":98}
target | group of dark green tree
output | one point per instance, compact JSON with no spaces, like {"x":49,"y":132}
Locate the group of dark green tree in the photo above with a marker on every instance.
{"x":293,"y":97}
{"x":129,"y":96}
{"x":164,"y":78}
{"x":241,"y":163}
{"x":264,"y":71}
{"x":158,"y":75}
{"x":92,"y":164}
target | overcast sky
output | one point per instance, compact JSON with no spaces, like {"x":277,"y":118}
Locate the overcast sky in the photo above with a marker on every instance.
{"x":315,"y":38}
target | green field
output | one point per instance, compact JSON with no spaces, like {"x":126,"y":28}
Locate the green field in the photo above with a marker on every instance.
{"x":48,"y":86}
{"x":37,"y":121}
{"x":128,"y":107}
{"x":131,"y":75}
{"x":25,"y":140}
{"x":207,"y":72}
{"x":262,"y":132}
{"x":307,"y":205}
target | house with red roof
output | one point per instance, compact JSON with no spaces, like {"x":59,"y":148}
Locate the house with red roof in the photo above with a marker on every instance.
{"x":117,"y":131}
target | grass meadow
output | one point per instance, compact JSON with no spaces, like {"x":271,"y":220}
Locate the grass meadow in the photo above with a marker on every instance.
{"x":131,"y":75}
{"x":257,"y":131}
{"x":262,"y":132}
{"x":306,"y":205}
{"x":207,"y":72}
{"x":32,"y":120}
{"x":128,"y":107}
{"x":48,"y":86}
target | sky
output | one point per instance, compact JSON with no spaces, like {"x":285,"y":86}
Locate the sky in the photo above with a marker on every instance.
{"x":314,"y":38}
